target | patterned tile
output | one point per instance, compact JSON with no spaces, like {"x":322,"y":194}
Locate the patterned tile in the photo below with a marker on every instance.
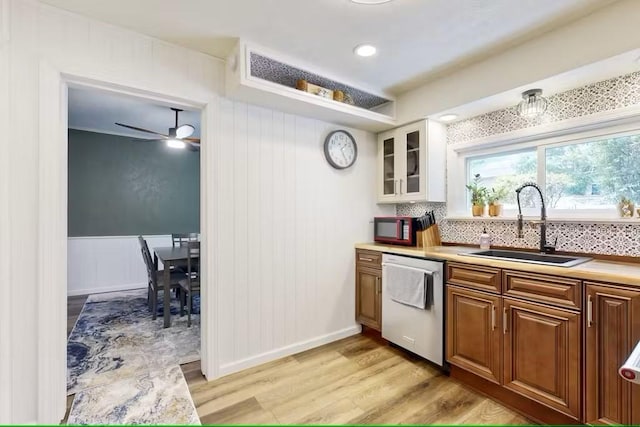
{"x":618,"y":92}
{"x":286,"y":75}
{"x":607,"y":239}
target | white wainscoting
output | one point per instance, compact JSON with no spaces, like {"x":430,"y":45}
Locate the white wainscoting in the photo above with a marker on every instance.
{"x":106,"y":264}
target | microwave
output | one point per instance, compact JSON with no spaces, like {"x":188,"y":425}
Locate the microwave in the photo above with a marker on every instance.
{"x":397,"y":230}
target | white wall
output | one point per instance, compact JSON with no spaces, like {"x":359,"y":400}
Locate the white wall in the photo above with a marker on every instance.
{"x":32,"y":35}
{"x":107,"y":264}
{"x":287,"y":222}
{"x":609,"y":31}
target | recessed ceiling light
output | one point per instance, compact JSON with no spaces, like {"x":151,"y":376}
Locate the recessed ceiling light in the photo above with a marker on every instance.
{"x":448,"y":117}
{"x":365,"y":50}
{"x":370,"y":1}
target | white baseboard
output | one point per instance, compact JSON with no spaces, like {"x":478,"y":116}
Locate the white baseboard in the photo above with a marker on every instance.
{"x":104,"y":289}
{"x":259,"y":359}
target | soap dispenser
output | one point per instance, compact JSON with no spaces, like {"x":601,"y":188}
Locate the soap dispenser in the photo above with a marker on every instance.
{"x":485,"y":239}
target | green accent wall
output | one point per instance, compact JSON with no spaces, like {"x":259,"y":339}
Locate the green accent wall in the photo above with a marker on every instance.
{"x":121,"y":186}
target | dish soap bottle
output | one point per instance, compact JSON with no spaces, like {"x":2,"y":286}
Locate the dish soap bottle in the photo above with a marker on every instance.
{"x":485,"y":239}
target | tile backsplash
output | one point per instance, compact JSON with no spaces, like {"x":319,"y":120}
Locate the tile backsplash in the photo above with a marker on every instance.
{"x":605,"y":239}
{"x":599,"y":238}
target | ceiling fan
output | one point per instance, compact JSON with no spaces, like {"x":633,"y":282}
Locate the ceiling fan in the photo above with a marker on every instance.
{"x":177,"y":137}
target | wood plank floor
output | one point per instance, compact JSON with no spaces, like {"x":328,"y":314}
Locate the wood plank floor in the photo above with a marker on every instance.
{"x":357,"y":380}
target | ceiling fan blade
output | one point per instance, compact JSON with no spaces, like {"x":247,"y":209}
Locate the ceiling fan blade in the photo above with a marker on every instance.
{"x":184,"y":131}
{"x":142,"y":130}
{"x":196,"y":140}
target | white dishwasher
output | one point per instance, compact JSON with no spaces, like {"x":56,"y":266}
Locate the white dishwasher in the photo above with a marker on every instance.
{"x":419,"y":330}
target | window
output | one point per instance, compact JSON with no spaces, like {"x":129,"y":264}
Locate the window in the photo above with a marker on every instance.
{"x":585,"y":176}
{"x":594,"y":174}
{"x":504,"y":171}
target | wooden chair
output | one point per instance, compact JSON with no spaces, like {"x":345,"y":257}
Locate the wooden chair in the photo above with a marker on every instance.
{"x":156,"y":278}
{"x":181,"y":239}
{"x":190,"y":285}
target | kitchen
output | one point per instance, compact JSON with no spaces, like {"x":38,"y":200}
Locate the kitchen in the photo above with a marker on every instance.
{"x":279,"y":222}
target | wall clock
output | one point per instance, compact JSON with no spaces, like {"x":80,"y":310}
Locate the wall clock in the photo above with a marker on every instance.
{"x":340,"y":149}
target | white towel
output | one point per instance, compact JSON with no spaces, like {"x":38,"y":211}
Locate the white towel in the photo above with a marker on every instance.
{"x":408,"y":286}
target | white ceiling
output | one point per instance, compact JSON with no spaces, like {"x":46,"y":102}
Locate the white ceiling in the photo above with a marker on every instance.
{"x":97,"y":111}
{"x":416,"y":39}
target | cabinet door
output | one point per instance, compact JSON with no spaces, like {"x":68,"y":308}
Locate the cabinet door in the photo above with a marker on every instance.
{"x":474,"y":336}
{"x":388,"y":166}
{"x":542,"y":354}
{"x":368,"y":293}
{"x":411,"y":171}
{"x":612,"y":327}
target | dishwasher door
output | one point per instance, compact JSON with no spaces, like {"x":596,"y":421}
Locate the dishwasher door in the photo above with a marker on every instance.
{"x":419,"y":331}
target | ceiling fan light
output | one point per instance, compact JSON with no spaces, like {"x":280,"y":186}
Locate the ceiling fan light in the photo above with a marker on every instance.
{"x":533,"y":104}
{"x":176,"y":143}
{"x":184,"y":131}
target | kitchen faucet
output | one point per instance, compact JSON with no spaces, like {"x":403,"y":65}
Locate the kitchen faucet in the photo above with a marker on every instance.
{"x":544,"y":247}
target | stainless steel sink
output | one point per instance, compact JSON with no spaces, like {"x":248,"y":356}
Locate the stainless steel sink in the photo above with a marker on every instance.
{"x":529,"y":257}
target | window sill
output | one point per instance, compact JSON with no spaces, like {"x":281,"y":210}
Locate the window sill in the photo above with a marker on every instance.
{"x":633,"y":220}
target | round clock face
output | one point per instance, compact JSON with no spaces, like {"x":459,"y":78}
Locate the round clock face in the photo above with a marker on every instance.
{"x":340,"y":149}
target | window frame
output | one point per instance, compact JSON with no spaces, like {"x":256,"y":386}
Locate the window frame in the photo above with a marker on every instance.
{"x":460,"y":154}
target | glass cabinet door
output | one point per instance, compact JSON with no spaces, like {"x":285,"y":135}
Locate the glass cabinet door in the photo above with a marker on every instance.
{"x":389,"y":171}
{"x":413,"y":171}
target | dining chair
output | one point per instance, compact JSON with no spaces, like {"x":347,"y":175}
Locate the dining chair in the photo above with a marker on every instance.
{"x":191,"y":284}
{"x":155,"y":278}
{"x":181,"y":239}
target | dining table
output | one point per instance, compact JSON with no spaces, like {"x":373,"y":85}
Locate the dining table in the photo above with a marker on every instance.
{"x":170,"y":256}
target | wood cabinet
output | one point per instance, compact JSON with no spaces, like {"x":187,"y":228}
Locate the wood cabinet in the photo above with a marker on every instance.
{"x":474,"y":335}
{"x":521,"y":333}
{"x":411,"y":163}
{"x":542,"y":354}
{"x":369,"y":289}
{"x":612,"y":329}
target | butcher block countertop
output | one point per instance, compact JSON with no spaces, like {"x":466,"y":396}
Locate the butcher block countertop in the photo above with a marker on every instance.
{"x":597,"y":270}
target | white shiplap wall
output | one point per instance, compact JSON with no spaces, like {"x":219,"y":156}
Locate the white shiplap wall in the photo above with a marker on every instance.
{"x":287,"y":222}
{"x":35,"y":36}
{"x":107,"y":264}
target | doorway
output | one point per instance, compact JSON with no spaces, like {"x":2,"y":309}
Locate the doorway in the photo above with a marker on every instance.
{"x":133,"y":186}
{"x":52,"y":283}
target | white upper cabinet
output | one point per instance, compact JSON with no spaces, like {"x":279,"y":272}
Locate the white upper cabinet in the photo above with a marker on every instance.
{"x":411,"y":163}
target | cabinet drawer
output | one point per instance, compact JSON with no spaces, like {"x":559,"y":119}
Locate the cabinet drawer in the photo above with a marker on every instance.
{"x":371,"y":259}
{"x":477,"y":277}
{"x":546,"y":289}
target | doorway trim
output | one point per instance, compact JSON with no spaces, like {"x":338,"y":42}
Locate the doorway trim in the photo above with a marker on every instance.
{"x":52,"y":230}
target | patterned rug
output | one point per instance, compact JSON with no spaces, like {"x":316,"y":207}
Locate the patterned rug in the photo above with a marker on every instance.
{"x":159,"y":397}
{"x":124,"y":367}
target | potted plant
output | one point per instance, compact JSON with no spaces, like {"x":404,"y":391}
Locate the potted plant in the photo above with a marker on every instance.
{"x":625,"y":207}
{"x":493,"y":199}
{"x":478,"y":196}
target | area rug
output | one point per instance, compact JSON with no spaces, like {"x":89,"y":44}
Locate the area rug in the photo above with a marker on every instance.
{"x":158,"y":397}
{"x":115,"y":338}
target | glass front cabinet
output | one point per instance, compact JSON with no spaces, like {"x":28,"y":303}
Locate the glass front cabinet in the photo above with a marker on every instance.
{"x":411,"y":163}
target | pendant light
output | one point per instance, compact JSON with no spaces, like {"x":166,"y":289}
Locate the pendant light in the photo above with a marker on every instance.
{"x":533,"y":104}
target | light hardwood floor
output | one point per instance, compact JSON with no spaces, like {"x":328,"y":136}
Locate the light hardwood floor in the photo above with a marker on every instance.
{"x":357,"y":380}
